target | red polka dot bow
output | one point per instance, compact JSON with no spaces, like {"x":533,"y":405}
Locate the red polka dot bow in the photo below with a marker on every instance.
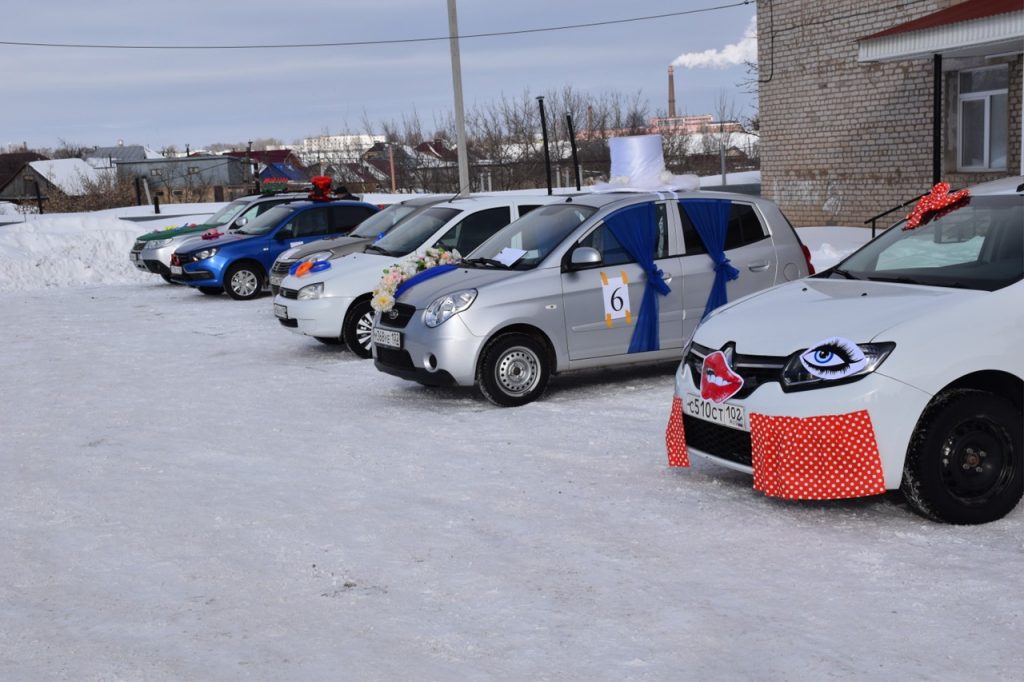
{"x":938,"y":202}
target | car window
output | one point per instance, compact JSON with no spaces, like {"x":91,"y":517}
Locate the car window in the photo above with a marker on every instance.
{"x":977,"y":246}
{"x":475,"y":229}
{"x":344,"y":218}
{"x":536,"y":234}
{"x":382,"y":221}
{"x":311,"y":223}
{"x":524,"y":209}
{"x":228,"y":213}
{"x":744,"y":228}
{"x":268,"y":221}
{"x":411,"y":234}
{"x":613,"y":253}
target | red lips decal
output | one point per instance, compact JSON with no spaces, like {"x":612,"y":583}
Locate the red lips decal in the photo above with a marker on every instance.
{"x":718,"y":382}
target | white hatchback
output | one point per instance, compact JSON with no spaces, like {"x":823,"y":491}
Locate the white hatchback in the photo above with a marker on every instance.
{"x":331,"y":302}
{"x":899,"y":368}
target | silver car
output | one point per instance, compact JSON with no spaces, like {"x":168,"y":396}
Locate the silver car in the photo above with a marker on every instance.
{"x":369,"y":231}
{"x":556,"y":290}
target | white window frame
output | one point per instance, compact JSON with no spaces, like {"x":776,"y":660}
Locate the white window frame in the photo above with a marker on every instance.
{"x":986,"y":96}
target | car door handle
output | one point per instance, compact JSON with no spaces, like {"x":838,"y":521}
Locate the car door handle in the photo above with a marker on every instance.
{"x":758,"y":267}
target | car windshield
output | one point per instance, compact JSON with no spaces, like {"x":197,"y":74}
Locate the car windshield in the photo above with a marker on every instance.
{"x":266,"y":222}
{"x":976,"y":246}
{"x":411,"y":234}
{"x":227,"y":214}
{"x":527,"y":241}
{"x":381,"y":222}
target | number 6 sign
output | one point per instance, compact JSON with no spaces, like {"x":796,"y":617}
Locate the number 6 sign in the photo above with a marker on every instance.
{"x":616,"y":298}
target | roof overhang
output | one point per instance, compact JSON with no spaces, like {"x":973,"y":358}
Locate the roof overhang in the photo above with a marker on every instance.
{"x":986,"y":36}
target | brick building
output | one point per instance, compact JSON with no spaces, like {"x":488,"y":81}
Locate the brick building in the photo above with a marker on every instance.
{"x":849,"y":92}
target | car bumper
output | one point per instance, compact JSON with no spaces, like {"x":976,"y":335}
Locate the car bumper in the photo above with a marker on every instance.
{"x":195,"y":275}
{"x":321,"y":317}
{"x":816,"y":422}
{"x":441,"y":355}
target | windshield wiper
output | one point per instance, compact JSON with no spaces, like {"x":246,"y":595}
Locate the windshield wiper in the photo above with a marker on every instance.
{"x":377,"y":249}
{"x":485,"y":261}
{"x":845,"y":273}
{"x":898,"y":279}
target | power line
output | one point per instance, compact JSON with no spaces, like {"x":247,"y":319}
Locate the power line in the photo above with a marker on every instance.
{"x":397,"y":41}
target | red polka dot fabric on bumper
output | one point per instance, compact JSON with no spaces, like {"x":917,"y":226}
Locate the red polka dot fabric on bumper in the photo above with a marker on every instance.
{"x":816,"y":458}
{"x":675,"y":436}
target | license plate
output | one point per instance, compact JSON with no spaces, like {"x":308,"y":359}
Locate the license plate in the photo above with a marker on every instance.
{"x":134,"y":256}
{"x":175,"y":269}
{"x":725,"y":414}
{"x":281,"y":311}
{"x":386,"y":337}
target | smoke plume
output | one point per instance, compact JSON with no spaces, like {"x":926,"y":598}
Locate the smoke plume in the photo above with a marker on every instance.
{"x":730,"y":55}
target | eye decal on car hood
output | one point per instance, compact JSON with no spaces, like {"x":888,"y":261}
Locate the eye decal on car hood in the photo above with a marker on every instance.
{"x":832,"y":359}
{"x":718,"y":382}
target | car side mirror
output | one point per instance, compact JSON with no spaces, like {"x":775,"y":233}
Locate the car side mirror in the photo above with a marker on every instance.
{"x":241,"y":222}
{"x":585,"y":255}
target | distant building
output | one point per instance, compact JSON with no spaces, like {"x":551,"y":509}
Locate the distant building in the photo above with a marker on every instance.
{"x":865,"y":104}
{"x":48,"y":178}
{"x":11,"y":163}
{"x":192,"y":178}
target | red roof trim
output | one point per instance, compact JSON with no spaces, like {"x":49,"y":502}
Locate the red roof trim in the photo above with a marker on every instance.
{"x":965,"y":11}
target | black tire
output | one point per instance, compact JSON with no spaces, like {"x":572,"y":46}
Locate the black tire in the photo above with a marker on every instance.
{"x":358,"y":328}
{"x":212,"y":291}
{"x":167,"y":277}
{"x":328,"y":340}
{"x":243,"y":281}
{"x":513,"y":370}
{"x":965,"y":463}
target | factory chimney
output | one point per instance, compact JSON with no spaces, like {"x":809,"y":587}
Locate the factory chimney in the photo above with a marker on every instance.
{"x":671,"y":92}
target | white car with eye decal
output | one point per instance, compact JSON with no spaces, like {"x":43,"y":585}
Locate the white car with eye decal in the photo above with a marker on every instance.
{"x":899,"y":368}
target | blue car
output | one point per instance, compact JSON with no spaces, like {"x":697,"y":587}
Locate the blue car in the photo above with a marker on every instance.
{"x":239,"y":262}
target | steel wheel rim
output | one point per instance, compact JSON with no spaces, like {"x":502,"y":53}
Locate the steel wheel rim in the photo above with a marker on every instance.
{"x":976,"y":460}
{"x":364,"y":329}
{"x":517,"y":371}
{"x":244,"y":283}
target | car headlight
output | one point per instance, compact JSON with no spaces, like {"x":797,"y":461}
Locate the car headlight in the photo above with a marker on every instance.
{"x":446,"y":306}
{"x":833,"y":362}
{"x":205,"y":253}
{"x":157,"y":243}
{"x":311,"y":291}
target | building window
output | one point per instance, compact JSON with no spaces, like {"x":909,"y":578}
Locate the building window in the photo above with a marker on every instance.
{"x":193,"y":170}
{"x":155,"y":172}
{"x":984,"y":118}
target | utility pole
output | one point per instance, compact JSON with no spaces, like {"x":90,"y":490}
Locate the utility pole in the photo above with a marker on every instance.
{"x":460,"y":118}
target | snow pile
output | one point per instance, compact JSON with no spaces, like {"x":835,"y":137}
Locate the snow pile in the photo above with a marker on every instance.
{"x":70,"y":250}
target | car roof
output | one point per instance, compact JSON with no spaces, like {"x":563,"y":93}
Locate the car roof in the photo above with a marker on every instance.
{"x":1011,"y":185}
{"x":625,"y":198}
{"x":465,"y":201}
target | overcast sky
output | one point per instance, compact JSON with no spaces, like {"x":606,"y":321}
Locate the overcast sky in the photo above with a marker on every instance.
{"x":176,"y":97}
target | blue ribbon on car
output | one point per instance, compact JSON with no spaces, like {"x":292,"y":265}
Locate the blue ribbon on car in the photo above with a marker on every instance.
{"x":636,"y":229}
{"x":423,"y":276}
{"x":710,"y":217}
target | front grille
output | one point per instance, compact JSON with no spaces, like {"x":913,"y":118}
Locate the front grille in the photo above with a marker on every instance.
{"x":289,"y":293}
{"x":402,"y":312}
{"x":756,"y":370}
{"x":282,"y":267}
{"x":720,"y":441}
{"x":393,"y":357}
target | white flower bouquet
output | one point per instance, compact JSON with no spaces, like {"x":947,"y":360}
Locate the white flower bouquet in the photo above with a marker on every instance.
{"x":384,"y":293}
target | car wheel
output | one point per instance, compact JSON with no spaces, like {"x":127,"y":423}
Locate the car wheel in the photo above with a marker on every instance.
{"x":358,"y":328}
{"x":212,"y":291}
{"x":965,"y":463}
{"x":513,"y":370}
{"x":243,"y":282}
{"x":167,"y":277}
{"x":328,"y":340}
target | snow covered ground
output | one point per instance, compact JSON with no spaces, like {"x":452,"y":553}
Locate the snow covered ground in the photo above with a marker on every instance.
{"x":189,"y":491}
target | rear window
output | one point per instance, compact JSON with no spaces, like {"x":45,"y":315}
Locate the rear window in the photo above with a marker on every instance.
{"x":744,"y":228}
